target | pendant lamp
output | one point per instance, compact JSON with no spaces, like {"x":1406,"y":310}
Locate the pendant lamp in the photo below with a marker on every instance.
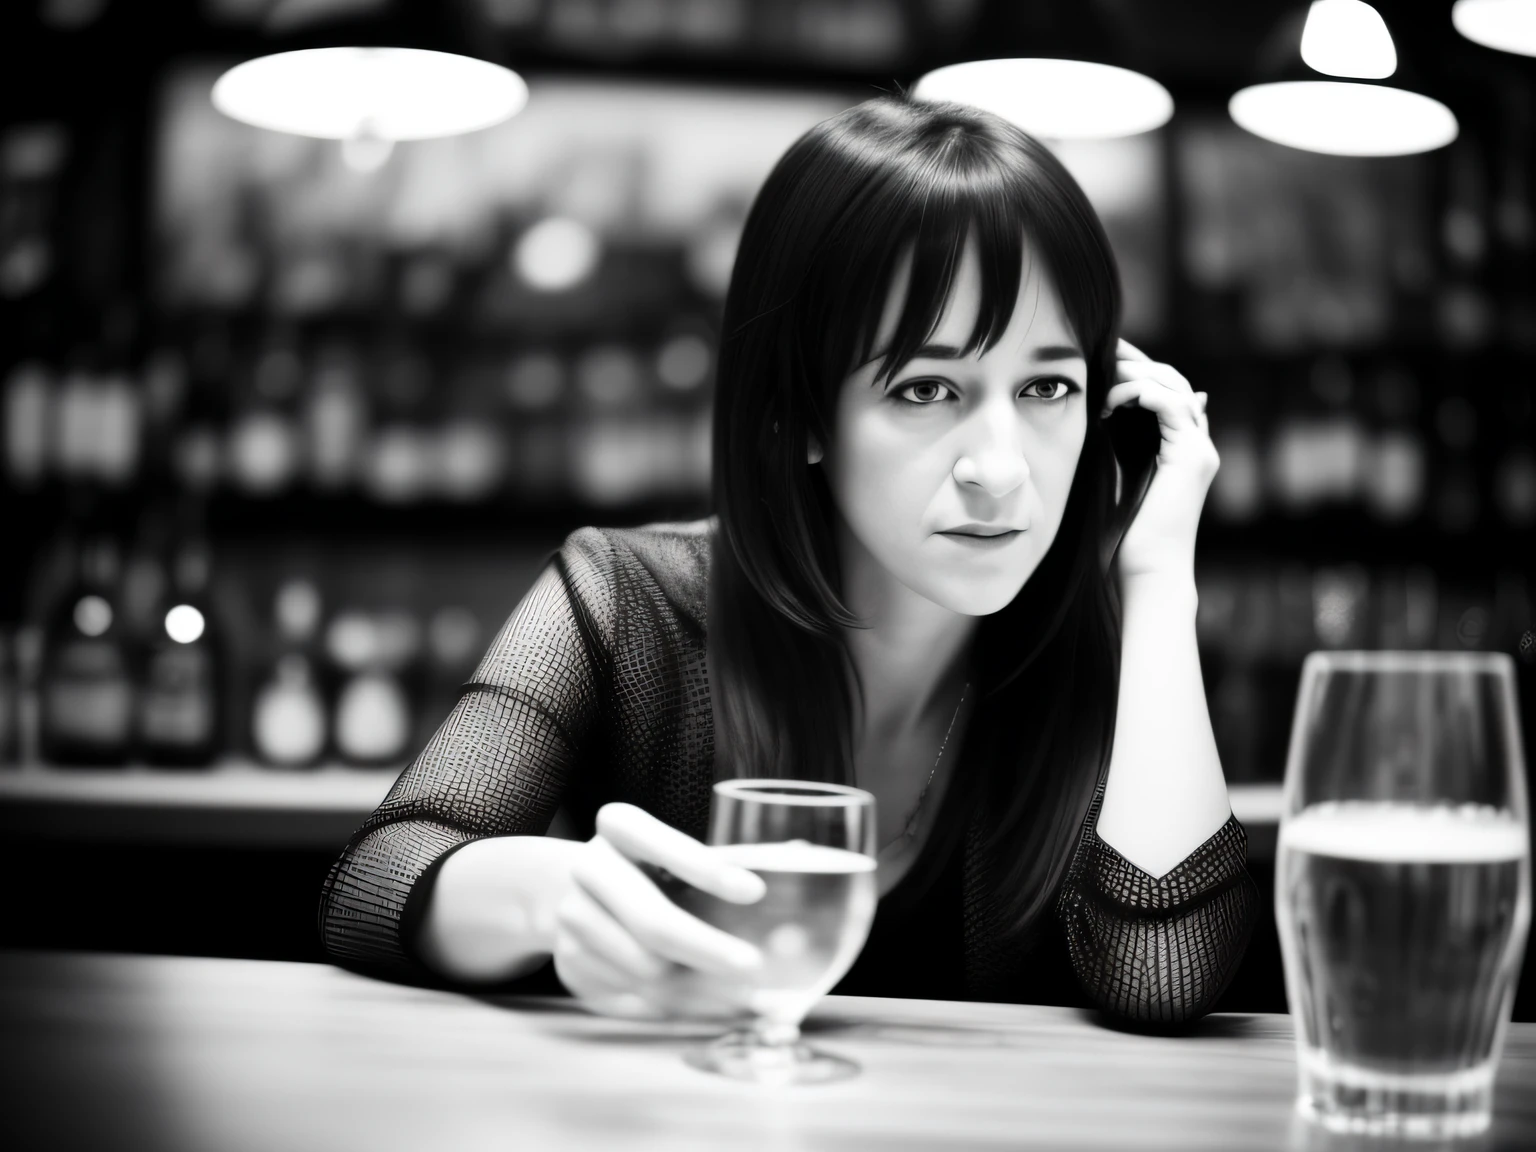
{"x":1321,"y":89}
{"x":371,"y":72}
{"x":1508,"y":25}
{"x":1068,"y":82}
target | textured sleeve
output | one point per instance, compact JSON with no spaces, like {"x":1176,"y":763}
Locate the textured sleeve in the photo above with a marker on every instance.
{"x":499,"y":765}
{"x":1158,"y":950}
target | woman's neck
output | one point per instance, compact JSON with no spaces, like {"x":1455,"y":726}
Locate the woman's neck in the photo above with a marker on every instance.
{"x":912,"y":659}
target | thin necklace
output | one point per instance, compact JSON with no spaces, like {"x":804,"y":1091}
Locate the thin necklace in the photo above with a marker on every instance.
{"x":910,"y":828}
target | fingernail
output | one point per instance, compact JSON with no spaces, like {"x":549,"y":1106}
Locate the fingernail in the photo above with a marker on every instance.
{"x":1103,"y":413}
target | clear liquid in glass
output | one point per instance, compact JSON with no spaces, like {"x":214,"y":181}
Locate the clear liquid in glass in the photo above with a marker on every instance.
{"x":1402,"y":930}
{"x":810,"y":924}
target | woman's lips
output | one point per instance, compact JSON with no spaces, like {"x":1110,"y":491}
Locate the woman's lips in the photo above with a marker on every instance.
{"x":972,"y":541}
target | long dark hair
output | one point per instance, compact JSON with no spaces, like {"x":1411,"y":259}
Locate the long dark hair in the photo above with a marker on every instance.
{"x":816,"y":256}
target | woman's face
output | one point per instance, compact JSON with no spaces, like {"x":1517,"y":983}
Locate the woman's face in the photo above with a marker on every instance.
{"x":990,"y":440}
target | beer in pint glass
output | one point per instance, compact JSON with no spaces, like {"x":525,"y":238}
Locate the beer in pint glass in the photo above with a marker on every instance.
{"x":1402,"y":887}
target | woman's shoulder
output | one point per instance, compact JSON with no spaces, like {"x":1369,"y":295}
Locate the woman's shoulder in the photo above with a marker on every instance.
{"x":674,"y":555}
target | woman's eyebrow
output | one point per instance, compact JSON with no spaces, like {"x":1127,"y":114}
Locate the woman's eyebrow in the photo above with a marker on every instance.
{"x":1048,"y":352}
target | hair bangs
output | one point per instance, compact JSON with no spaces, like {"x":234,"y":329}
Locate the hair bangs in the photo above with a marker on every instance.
{"x":936,"y":240}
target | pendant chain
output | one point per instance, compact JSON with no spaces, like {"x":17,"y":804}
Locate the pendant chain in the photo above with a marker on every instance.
{"x":910,"y":829}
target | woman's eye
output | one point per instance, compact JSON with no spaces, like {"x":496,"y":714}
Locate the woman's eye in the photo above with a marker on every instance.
{"x":922,"y":392}
{"x":1065,"y":385}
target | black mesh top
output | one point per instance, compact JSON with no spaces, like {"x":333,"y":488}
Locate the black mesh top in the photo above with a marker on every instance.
{"x":596,"y":690}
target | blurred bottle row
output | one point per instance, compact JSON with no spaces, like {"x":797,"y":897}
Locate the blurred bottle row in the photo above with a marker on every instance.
{"x":1378,"y":440}
{"x":615,"y":423}
{"x":1256,"y":623}
{"x":605,"y":423}
{"x":154,"y":661}
{"x":164,"y":660}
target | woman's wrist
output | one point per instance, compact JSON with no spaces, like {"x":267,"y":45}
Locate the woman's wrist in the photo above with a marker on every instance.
{"x":490,"y":914}
{"x":1169,"y":589}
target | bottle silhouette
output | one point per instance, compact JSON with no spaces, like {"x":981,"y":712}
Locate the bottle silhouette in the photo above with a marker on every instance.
{"x":181,"y":694}
{"x":288,"y":710}
{"x":85,"y":685}
{"x":377,"y":656}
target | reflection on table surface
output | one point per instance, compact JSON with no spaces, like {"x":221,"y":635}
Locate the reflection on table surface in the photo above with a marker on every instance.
{"x":129,"y":1052}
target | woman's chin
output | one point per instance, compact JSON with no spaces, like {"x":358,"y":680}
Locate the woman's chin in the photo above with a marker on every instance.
{"x":970,"y":596}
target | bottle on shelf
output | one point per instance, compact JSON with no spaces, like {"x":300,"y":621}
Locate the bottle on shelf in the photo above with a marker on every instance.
{"x":264,"y":444}
{"x":1395,"y":476}
{"x":181,"y":694}
{"x":335,"y":418}
{"x":396,"y":461}
{"x":85,"y":684}
{"x":375,"y":654}
{"x":289,"y":723}
{"x":29,"y":414}
{"x":198,"y":458}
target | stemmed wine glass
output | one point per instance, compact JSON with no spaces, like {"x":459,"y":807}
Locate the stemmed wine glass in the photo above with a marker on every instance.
{"x":814,"y":846}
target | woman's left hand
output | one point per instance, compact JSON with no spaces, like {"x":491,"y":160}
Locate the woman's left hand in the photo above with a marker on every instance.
{"x":1161,"y":540}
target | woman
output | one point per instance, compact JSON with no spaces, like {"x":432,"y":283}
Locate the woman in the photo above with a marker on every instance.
{"x":919,"y":350}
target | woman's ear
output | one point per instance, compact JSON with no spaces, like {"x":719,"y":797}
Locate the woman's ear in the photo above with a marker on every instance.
{"x":813,"y":452}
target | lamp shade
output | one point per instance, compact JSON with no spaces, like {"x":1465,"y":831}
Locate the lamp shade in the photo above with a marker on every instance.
{"x":1344,"y":118}
{"x":389,"y":93}
{"x":1297,"y":105}
{"x":1054,"y":98}
{"x":373,"y":72}
{"x":1508,"y":25}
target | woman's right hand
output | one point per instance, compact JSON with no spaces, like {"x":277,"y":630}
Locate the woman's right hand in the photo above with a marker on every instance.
{"x":624,"y":949}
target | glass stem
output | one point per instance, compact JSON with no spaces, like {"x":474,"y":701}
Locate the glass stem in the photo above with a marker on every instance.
{"x":772,"y":1034}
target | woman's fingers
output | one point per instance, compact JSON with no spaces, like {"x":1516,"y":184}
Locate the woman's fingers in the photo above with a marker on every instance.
{"x":657,"y":923}
{"x":595,"y":930}
{"x":586,"y":980}
{"x":612,"y":988}
{"x":1176,"y":409}
{"x":1133,"y":364}
{"x":590,"y":971}
{"x":685,"y":992}
{"x":640,"y":836}
{"x":1125,"y":350}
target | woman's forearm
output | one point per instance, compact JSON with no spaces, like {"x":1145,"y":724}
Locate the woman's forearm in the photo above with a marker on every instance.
{"x":1165,"y":795}
{"x":490,"y":915}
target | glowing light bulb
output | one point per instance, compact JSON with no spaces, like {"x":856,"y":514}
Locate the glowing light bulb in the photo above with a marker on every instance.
{"x":365,"y":151}
{"x":184,"y":624}
{"x":1348,"y":38}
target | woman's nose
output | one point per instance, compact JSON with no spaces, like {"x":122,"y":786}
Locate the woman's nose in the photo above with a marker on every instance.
{"x":993,"y":455}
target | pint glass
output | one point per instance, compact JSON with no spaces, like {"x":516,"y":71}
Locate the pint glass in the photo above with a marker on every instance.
{"x":1402,"y":887}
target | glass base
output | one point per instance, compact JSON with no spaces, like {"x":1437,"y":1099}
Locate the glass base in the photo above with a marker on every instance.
{"x":1346,"y":1098}
{"x":743,"y":1055}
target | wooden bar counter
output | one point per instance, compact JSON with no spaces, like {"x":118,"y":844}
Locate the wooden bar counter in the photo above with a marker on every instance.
{"x":109,"y":1051}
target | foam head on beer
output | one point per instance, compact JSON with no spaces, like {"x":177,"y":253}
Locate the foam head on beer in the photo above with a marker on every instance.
{"x":1394,"y":832}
